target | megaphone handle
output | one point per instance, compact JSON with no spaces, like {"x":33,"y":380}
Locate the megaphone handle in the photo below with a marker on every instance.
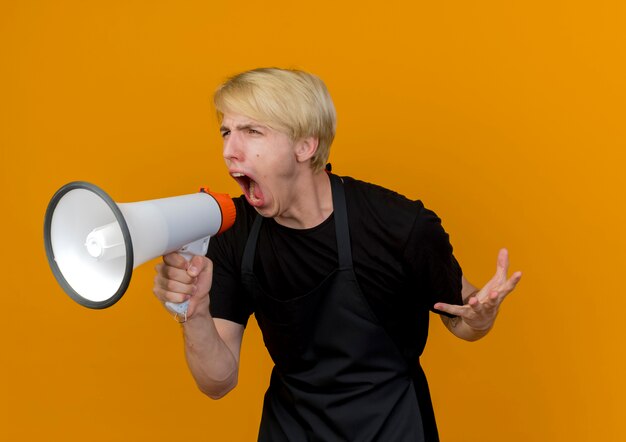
{"x":188,"y":251}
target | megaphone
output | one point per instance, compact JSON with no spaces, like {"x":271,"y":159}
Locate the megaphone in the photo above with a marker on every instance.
{"x":93,"y":244}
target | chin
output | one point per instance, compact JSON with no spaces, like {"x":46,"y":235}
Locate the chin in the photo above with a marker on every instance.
{"x":265,"y":212}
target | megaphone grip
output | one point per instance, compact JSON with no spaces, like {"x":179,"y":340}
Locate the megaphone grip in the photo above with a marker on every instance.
{"x":188,"y":251}
{"x":179,"y":308}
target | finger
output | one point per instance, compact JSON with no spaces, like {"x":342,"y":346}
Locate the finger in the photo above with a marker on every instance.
{"x":168,"y":285}
{"x":173,"y":286}
{"x":513,"y":280}
{"x":176,"y":260}
{"x":475,"y":304}
{"x":510,"y":285}
{"x":197,"y":264}
{"x":502,"y":265}
{"x":167,"y":296}
{"x":175,"y":298}
{"x":170,"y":272}
{"x":456,"y":310}
{"x":499,"y":277}
{"x":492,"y":299}
{"x":203,"y":267}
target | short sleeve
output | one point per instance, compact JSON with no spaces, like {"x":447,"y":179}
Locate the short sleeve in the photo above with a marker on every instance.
{"x":229,"y":300}
{"x":436,"y":272}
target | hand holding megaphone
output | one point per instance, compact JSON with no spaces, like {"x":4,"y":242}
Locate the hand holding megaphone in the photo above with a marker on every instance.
{"x":93,"y":244}
{"x":178,"y":279}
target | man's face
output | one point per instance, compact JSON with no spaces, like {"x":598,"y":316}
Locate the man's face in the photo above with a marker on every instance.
{"x":262,"y":160}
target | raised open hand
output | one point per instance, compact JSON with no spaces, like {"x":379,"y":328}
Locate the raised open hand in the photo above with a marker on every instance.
{"x":481,"y":309}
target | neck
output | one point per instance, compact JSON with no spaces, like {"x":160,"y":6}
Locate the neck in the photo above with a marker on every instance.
{"x":312,"y":202}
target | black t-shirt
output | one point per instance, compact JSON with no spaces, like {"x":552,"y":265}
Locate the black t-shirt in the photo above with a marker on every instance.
{"x":401,"y":254}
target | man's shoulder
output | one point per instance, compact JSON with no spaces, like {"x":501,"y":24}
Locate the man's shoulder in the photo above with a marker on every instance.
{"x":376,"y":198}
{"x":379,"y":215}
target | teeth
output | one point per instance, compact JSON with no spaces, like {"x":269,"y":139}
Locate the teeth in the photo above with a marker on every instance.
{"x":251,"y":185}
{"x":251,"y":191}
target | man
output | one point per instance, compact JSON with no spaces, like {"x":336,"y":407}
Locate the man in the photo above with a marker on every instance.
{"x":339,"y":273}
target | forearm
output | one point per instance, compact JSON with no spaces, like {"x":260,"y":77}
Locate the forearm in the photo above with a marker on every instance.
{"x":211,"y":362}
{"x":457,"y":326}
{"x":475,"y":318}
{"x":460,"y":329}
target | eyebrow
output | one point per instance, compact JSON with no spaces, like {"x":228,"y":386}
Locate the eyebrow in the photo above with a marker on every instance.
{"x":242,"y":127}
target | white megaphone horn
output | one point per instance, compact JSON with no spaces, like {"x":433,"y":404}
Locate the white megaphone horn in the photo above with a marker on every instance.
{"x":93,"y":244}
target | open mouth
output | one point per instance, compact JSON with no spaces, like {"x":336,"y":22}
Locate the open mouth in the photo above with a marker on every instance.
{"x":249,"y":187}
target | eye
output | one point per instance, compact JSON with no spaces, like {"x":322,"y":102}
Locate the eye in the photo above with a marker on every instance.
{"x":225,"y":133}
{"x":254,"y":131}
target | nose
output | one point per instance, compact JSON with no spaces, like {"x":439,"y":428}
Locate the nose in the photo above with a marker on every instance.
{"x":232,"y":150}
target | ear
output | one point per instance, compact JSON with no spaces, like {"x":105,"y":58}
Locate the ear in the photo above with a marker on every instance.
{"x":306,"y":148}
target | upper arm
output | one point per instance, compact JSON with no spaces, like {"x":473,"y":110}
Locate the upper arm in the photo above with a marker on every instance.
{"x":432,"y":262}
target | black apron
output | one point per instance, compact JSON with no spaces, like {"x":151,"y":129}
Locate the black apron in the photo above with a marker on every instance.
{"x":338,"y":375}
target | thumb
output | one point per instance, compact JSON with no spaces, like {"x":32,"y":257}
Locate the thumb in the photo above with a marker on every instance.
{"x":201,"y":268}
{"x":196,"y":265}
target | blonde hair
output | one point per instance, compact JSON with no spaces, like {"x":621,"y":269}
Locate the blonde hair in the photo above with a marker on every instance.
{"x":294,"y":102}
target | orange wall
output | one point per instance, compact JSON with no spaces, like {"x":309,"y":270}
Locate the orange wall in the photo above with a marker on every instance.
{"x":507,"y":118}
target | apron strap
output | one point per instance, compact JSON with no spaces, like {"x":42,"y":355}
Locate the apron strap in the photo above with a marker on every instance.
{"x":248,"y":253}
{"x":341,"y":222}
